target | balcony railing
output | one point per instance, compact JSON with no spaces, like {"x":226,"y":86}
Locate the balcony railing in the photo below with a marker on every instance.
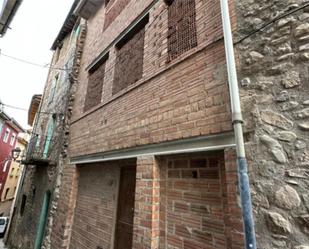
{"x":40,"y":149}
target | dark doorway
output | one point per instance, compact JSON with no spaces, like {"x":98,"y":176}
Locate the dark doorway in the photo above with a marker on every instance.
{"x":125,"y":213}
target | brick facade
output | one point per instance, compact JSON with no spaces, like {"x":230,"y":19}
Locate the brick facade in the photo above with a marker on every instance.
{"x":162,"y":100}
{"x":184,"y":201}
{"x":186,"y":97}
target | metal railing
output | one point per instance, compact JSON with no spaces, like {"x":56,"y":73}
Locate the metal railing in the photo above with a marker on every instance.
{"x":40,"y":149}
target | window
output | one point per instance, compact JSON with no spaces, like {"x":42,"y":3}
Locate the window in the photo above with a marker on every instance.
{"x":49,"y":136}
{"x":95,"y":83}
{"x":130,"y":57}
{"x":5,"y":165}
{"x":1,"y":125}
{"x":13,"y":139}
{"x":6,"y":135}
{"x":23,"y":204}
{"x":182,"y":35}
{"x":6,"y":193}
{"x":53,"y":89}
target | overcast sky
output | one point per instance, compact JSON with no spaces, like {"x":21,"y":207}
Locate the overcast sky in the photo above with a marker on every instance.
{"x":33,"y":30}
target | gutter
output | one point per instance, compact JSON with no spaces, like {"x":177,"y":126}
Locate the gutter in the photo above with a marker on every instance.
{"x":243,"y":178}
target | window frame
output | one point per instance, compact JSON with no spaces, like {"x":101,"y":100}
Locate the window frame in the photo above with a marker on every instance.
{"x":13,"y":138}
{"x":6,"y":135}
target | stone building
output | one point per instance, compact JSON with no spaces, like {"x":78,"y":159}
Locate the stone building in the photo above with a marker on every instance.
{"x":48,"y":114}
{"x":273,"y":75}
{"x":152,"y":156}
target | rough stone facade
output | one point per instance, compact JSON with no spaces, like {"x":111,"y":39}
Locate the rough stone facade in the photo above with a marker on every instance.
{"x":42,"y":177}
{"x":273,"y":73}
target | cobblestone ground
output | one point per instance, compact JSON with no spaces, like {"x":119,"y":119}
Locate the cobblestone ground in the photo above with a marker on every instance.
{"x":2,"y":246}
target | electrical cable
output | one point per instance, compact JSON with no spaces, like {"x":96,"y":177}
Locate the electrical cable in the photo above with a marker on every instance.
{"x":24,"y":109}
{"x":288,"y":13}
{"x":32,"y":63}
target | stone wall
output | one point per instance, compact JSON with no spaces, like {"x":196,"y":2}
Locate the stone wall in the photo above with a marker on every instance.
{"x":273,"y":72}
{"x":40,"y":179}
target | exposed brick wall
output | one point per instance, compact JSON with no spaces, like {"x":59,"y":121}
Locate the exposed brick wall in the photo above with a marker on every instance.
{"x":129,"y":62}
{"x":182,"y":33}
{"x":188,"y":201}
{"x":194,"y":203}
{"x":94,"y":215}
{"x":147,"y":204}
{"x":114,"y":8}
{"x":184,"y":98}
{"x":63,"y":220}
{"x":95,"y":86}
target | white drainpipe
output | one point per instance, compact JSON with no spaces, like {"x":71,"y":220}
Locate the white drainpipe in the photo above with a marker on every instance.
{"x":243,"y":179}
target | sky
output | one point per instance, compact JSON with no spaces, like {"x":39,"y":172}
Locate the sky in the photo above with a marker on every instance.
{"x":30,"y":37}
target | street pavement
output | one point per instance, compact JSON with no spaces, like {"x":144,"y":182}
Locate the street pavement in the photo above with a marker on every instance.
{"x":2,"y":245}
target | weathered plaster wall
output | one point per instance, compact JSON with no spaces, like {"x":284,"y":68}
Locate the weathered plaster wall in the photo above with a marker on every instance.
{"x":274,"y":73}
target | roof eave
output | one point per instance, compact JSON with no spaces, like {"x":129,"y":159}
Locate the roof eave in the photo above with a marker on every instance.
{"x":5,"y":20}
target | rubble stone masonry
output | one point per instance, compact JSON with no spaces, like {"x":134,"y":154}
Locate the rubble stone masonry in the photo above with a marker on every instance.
{"x":273,"y":73}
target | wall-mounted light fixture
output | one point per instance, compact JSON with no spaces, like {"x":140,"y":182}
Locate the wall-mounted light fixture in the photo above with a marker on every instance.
{"x":15,"y":153}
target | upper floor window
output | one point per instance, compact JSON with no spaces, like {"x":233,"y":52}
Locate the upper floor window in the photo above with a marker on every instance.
{"x":5,"y":166}
{"x":182,"y":34}
{"x":13,"y":139}
{"x":53,"y":89}
{"x":95,"y":83}
{"x":130,"y":57}
{"x":1,"y":125}
{"x":6,"y":135}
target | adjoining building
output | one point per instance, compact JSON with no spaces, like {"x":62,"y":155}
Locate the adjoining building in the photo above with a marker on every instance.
{"x":48,"y":114}
{"x":9,"y":130}
{"x":14,"y":175}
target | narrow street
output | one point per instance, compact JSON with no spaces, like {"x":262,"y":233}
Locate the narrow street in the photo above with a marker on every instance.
{"x":2,"y":246}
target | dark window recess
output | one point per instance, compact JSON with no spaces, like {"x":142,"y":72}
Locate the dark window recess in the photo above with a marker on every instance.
{"x":23,"y":204}
{"x":117,"y":6}
{"x":182,"y":34}
{"x":130,"y":57}
{"x":6,"y":193}
{"x":95,"y":83}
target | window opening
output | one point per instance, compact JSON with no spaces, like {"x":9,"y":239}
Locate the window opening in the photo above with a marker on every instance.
{"x":95,"y":83}
{"x":130,"y":57}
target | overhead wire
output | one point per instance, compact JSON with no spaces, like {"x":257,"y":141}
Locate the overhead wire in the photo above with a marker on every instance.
{"x":47,"y":66}
{"x":24,"y":109}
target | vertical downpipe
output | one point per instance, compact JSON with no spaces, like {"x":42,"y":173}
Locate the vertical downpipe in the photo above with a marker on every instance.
{"x":243,"y":178}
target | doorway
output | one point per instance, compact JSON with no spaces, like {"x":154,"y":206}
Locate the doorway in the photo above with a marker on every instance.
{"x":125,"y":211}
{"x":42,"y":220}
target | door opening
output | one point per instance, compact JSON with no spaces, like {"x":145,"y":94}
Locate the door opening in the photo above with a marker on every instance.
{"x":125,"y":211}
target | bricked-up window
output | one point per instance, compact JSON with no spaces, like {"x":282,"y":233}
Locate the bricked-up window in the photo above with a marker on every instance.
{"x":113,"y":9}
{"x":130,"y":57}
{"x":182,"y":34}
{"x":95,"y":83}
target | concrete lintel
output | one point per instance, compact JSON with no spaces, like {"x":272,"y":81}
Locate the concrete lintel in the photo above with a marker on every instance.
{"x":191,"y":145}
